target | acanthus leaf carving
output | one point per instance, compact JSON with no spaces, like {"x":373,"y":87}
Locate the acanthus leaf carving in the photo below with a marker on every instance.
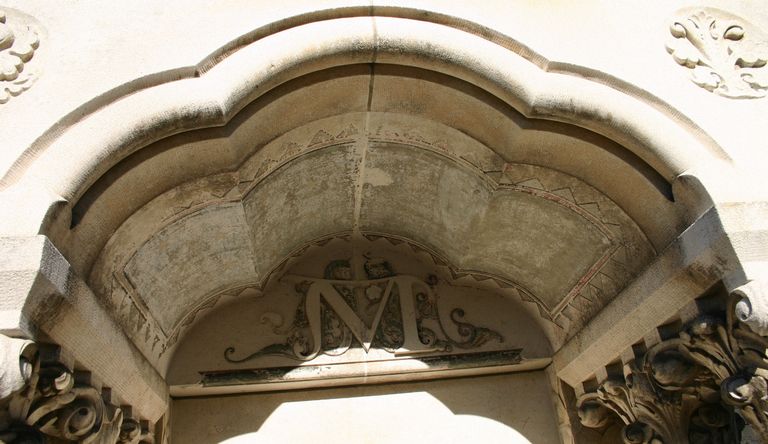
{"x":736,"y":359}
{"x":18,"y":43}
{"x":649,"y":417}
{"x":726,"y":54}
{"x":708,"y":382}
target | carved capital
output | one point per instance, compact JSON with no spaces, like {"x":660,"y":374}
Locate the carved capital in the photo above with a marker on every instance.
{"x":735,"y":358}
{"x":43,"y":397}
{"x":694,"y":383}
{"x":651,"y":416}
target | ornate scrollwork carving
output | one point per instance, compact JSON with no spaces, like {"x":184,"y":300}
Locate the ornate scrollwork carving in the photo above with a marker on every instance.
{"x":58,"y":406}
{"x":53,"y":402}
{"x":707,"y":382}
{"x":133,"y":431}
{"x":18,"y":43}
{"x":726,"y":55}
{"x":650,"y":416}
{"x":752,"y":306}
{"x":735,"y":359}
{"x":337,"y":309}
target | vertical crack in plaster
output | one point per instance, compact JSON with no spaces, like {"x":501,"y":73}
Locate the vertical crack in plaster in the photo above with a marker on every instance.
{"x":361,"y":151}
{"x":374,"y":54}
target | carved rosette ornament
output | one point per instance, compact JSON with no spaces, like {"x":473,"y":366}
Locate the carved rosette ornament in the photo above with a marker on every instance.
{"x":703,"y":386}
{"x":44,"y":401}
{"x":18,"y":43}
{"x":726,"y":54}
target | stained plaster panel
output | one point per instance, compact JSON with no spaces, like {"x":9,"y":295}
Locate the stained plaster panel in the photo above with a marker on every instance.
{"x":312,"y":197}
{"x":563,"y":247}
{"x":165,"y":271}
{"x":623,"y":248}
{"x":461,"y":215}
{"x":173,"y":162}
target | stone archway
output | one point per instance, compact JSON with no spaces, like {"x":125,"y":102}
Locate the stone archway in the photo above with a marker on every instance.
{"x":560,"y":188}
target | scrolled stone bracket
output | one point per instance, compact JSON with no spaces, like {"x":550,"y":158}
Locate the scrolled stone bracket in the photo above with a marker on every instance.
{"x":44,"y":399}
{"x":704,"y":385}
{"x":751,"y":305}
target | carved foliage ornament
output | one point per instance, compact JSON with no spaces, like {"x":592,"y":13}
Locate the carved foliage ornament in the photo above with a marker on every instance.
{"x":651,"y":417}
{"x":52,"y":402}
{"x":18,"y":43}
{"x":726,"y":55}
{"x":700,"y":387}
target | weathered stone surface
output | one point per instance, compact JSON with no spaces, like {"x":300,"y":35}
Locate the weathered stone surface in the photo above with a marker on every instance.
{"x":550,"y":175}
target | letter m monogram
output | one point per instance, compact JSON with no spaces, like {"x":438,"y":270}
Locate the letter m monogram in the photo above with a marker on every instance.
{"x":362,"y":332}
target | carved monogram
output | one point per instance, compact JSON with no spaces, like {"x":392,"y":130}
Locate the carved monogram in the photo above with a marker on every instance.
{"x":398,"y":314}
{"x":18,"y":43}
{"x":726,"y":55}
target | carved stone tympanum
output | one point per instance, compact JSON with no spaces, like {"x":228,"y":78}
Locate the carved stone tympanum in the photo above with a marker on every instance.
{"x":726,"y":54}
{"x":382,"y":311}
{"x":354,"y":319}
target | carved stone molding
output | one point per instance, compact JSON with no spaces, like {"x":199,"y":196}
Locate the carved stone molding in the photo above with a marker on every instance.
{"x":726,"y":54}
{"x":18,"y":43}
{"x":44,"y":400}
{"x":702,"y":386}
{"x":752,"y":306}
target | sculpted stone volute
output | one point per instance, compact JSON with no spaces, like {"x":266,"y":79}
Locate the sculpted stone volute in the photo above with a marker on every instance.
{"x":42,"y":397}
{"x":703,"y":386}
{"x":752,"y":306}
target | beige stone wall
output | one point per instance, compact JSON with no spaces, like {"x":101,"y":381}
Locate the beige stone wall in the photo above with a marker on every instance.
{"x":513,"y":408}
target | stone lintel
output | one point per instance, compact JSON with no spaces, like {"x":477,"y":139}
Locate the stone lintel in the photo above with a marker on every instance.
{"x":324,"y":376}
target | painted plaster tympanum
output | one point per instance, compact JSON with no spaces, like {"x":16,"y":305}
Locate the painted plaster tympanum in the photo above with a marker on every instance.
{"x":383,"y":222}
